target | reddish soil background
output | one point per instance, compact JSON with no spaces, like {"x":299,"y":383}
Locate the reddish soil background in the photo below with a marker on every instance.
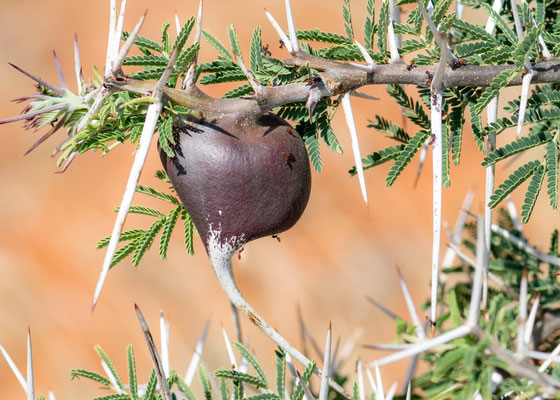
{"x":340,"y":252}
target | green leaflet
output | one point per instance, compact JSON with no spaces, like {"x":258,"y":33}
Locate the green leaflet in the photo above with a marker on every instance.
{"x":132,"y":379}
{"x":118,"y":396}
{"x":221,"y":77}
{"x":369,"y":24}
{"x":185,"y":58}
{"x":498,"y":83}
{"x":234,"y":41}
{"x":532,"y":193}
{"x":382,"y":28}
{"x":205,"y":383}
{"x":151,"y":387}
{"x":239,"y":91}
{"x":184,"y":34}
{"x":519,"y":176}
{"x":312,"y":143}
{"x":456,"y":121}
{"x":165,"y":40}
{"x":409,"y":151}
{"x":445,"y":180}
{"x":440,"y":9}
{"x":94,"y":376}
{"x":146,"y":242}
{"x":412,"y":109}
{"x":110,"y":365}
{"x":165,"y":129}
{"x":145,"y":61}
{"x":240,"y":377}
{"x":526,"y":45}
{"x":256,"y":50}
{"x":280,"y":372}
{"x":474,"y":31}
{"x":168,"y":227}
{"x":521,"y":144}
{"x":317,"y":35}
{"x":189,"y":230}
{"x":215,"y":43}
{"x":251,"y":360}
{"x":298,"y":392}
{"x":379,"y":157}
{"x":389,"y":128}
{"x":347,"y":15}
{"x":552,"y":155}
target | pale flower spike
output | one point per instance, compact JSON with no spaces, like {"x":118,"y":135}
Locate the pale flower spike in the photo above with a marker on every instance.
{"x":347,"y":107}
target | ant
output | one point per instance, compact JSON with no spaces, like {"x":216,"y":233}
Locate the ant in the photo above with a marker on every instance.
{"x":239,"y":255}
{"x":277,"y":238}
{"x":429,"y":78}
{"x":202,"y":117}
{"x":290,"y":159}
{"x":265,"y":51}
{"x":431,"y":321}
{"x":432,"y":141}
{"x":410,"y":66}
{"x":281,"y":44}
{"x":310,"y":81}
{"x":434,"y":100}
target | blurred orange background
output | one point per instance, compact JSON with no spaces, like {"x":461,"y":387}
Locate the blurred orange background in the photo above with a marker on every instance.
{"x":340,"y":252}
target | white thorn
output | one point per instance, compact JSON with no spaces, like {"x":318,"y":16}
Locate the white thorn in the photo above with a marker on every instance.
{"x":78,"y":66}
{"x":370,"y":379}
{"x":280,"y":32}
{"x":291,"y":26}
{"x":112,"y":28}
{"x":363,"y":95}
{"x":481,"y":251}
{"x":164,"y":333}
{"x":411,"y":309}
{"x":550,"y":359}
{"x":347,"y":107}
{"x":365,"y":54}
{"x":14,"y":368}
{"x":111,"y":377}
{"x":324,"y":388}
{"x":191,"y":370}
{"x":512,"y":210}
{"x":391,"y":392}
{"x":525,"y":87}
{"x":119,"y":58}
{"x":491,"y":24}
{"x":437,"y":162}
{"x":531,"y":321}
{"x":229,"y":349}
{"x":361,"y":387}
{"x":177,"y":24}
{"x":118,"y":33}
{"x":30,"y":378}
{"x":379,"y":382}
{"x":522,"y":314}
{"x":393,"y":48}
{"x":449,"y":256}
{"x":426,"y":345}
{"x":51,"y":395}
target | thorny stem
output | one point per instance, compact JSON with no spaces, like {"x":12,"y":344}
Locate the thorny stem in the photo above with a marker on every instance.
{"x":221,"y":262}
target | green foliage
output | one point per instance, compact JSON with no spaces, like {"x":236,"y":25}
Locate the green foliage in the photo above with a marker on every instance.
{"x":257,"y":50}
{"x":519,"y":176}
{"x":140,"y":240}
{"x":532,"y":193}
{"x":498,"y":83}
{"x":406,"y":155}
{"x":347,"y":15}
{"x":552,"y":155}
{"x":522,"y":144}
{"x":369,"y":24}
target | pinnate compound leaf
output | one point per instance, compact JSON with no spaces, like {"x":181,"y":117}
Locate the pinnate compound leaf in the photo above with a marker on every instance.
{"x":151,"y":386}
{"x":257,"y":50}
{"x":184,"y":34}
{"x":110,"y":365}
{"x":132,"y":379}
{"x":409,"y":151}
{"x":518,"y":176}
{"x":94,"y":376}
{"x":369,"y":24}
{"x":497,"y":84}
{"x":532,"y":193}
{"x":379,"y":157}
{"x":146,"y":242}
{"x":168,"y":227}
{"x":552,"y":155}
{"x":251,"y":360}
{"x":215,"y":43}
{"x":517,"y":146}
